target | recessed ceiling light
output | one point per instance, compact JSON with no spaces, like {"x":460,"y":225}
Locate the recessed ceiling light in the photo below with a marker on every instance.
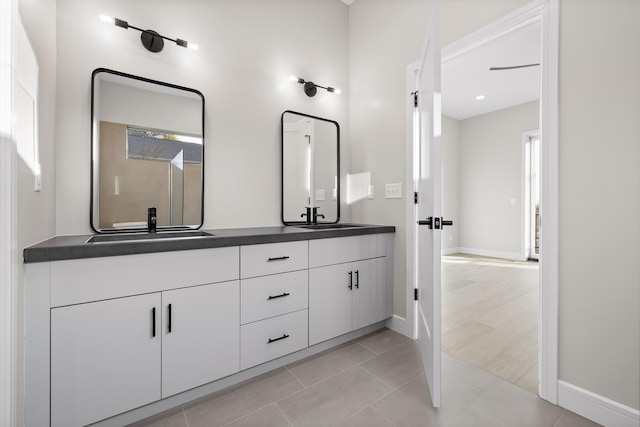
{"x":480,"y":97}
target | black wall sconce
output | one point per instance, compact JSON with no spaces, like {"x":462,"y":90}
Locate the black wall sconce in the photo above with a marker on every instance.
{"x":151,"y":40}
{"x":310,"y":88}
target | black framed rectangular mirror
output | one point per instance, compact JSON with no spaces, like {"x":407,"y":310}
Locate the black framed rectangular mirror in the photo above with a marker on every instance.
{"x":147,"y":142}
{"x":310,"y":168}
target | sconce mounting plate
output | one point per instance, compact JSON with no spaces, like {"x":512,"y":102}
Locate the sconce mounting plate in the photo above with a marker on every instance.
{"x":310,"y":89}
{"x":152,"y":41}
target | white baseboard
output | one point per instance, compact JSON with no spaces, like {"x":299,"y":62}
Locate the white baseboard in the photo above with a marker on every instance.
{"x":516,"y":256}
{"x":595,"y":407}
{"x":400,"y":325}
{"x":450,"y":251}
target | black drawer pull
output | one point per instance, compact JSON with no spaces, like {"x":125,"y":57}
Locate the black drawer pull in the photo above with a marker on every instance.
{"x":169,"y":325}
{"x":277,"y":339}
{"x":357,"y":279}
{"x":153,"y":322}
{"x":350,"y":280}
{"x":278,"y":258}
{"x":285,"y":294}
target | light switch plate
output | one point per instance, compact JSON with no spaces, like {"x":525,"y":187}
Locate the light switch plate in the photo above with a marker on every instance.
{"x":393,"y":191}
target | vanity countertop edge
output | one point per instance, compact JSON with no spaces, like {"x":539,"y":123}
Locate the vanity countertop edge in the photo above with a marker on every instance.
{"x":61,"y":248}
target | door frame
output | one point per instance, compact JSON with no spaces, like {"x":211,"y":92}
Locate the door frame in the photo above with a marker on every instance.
{"x":547,"y":12}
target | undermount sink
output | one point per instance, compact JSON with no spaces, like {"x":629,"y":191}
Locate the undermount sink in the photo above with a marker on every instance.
{"x":329,"y":226}
{"x":136,"y":237}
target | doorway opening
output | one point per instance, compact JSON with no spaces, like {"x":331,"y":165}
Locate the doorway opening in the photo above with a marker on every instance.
{"x":531,"y":151}
{"x":544,"y":12}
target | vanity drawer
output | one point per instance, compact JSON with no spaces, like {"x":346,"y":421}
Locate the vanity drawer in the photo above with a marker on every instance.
{"x":346,"y":249}
{"x":271,"y":338}
{"x":93,"y":279}
{"x":269,"y":296}
{"x":273,"y":258}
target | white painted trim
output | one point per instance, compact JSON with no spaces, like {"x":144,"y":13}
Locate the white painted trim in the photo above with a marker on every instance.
{"x":400,"y":325}
{"x":516,"y":256}
{"x":450,"y":251}
{"x":410,"y":188}
{"x":549,"y":205}
{"x":8,"y":215}
{"x":509,"y":23}
{"x":595,"y":407}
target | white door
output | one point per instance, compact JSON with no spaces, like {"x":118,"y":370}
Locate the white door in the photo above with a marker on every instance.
{"x":369,"y":291}
{"x":428,"y":207}
{"x":105,"y":358}
{"x":330,"y":290}
{"x":200,"y":335}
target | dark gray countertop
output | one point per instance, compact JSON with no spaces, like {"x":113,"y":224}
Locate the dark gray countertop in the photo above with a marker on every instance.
{"x":75,"y":247}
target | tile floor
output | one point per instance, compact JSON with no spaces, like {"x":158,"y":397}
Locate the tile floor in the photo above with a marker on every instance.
{"x":490,"y":316}
{"x":376,"y":380}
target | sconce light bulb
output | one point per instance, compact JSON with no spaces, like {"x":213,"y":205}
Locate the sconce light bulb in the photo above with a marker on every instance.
{"x":193,"y":46}
{"x":296,"y":79}
{"x":337,"y":91}
{"x":107,"y":19}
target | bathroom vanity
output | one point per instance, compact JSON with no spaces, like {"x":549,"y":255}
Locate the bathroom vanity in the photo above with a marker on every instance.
{"x":120,"y":330}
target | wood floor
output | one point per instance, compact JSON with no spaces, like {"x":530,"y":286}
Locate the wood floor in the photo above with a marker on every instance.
{"x":490,"y":316}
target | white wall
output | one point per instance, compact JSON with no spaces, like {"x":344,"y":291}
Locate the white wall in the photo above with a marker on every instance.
{"x":385,"y":37}
{"x":600,"y":198}
{"x":248,"y":50}
{"x":491,"y":174}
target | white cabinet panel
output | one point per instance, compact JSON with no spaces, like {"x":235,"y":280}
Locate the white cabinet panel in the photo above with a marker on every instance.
{"x":274,"y":295}
{"x":92,"y":279}
{"x":346,"y":249}
{"x":369,"y":292}
{"x":271,"y":338}
{"x":272,"y":258}
{"x":329,"y":302}
{"x":346,"y":297}
{"x":200,"y":335}
{"x":105,"y":358}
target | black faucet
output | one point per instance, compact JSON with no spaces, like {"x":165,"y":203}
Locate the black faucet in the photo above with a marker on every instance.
{"x":151,"y":220}
{"x":308,"y":214}
{"x":312,"y":215}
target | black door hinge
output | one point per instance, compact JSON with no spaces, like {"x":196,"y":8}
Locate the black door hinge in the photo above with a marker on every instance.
{"x":415,"y":98}
{"x":415,"y":294}
{"x":415,"y":197}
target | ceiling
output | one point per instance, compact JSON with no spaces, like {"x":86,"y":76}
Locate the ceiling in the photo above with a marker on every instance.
{"x":467,"y":75}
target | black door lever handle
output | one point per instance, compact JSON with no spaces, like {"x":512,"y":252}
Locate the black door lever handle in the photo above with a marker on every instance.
{"x":428,"y":222}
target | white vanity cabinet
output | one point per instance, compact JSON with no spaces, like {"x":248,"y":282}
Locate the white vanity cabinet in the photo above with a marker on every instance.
{"x":115,"y":338}
{"x":104,"y":358}
{"x":200,"y":335}
{"x":126,"y":331}
{"x":348,"y":285}
{"x":274,"y":301}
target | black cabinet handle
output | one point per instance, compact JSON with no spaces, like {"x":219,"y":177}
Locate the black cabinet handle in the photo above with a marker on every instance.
{"x":153,"y":322}
{"x":169,"y":326}
{"x":277,"y":339}
{"x":350,"y":280}
{"x":357,"y":279}
{"x":278,"y":258}
{"x":285,"y":294}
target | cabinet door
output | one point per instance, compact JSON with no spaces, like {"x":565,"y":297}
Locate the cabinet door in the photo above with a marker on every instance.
{"x":369,"y":291}
{"x":200,"y":335}
{"x":329,"y":302}
{"x":105,"y":358}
